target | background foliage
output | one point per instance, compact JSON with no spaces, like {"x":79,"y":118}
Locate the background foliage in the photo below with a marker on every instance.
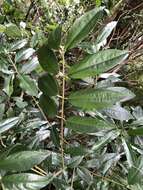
{"x":70,"y":114}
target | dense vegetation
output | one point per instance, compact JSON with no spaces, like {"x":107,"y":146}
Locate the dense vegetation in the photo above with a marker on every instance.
{"x":71,"y":112}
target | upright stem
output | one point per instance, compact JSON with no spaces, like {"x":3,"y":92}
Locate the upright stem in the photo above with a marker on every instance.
{"x":62,"y":106}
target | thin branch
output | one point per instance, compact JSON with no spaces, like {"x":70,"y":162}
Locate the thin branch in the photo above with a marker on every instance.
{"x":109,"y":180}
{"x":62,"y":106}
{"x":38,"y":172}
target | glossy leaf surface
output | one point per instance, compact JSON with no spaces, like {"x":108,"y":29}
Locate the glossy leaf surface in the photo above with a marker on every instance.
{"x":26,"y":181}
{"x":82,"y":27}
{"x":97,"y":63}
{"x":23,"y":161}
{"x":87,"y":124}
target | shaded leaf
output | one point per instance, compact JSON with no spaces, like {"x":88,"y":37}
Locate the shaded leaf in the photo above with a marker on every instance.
{"x":76,"y":151}
{"x":55,"y":136}
{"x":48,"y":85}
{"x":136,"y":132}
{"x":54,"y":38}
{"x":47,"y":59}
{"x":48,"y":105}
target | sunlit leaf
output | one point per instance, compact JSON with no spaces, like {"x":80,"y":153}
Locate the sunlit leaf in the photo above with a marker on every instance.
{"x":8,"y":124}
{"x":119,"y":113}
{"x":129,"y":153}
{"x":101,"y":40}
{"x":82,"y":26}
{"x":22,"y":161}
{"x":92,"y":99}
{"x":97,"y":63}
{"x":24,"y":54}
{"x":18,"y":45}
{"x":87,"y":124}
{"x":12,"y":30}
{"x":26,"y":181}
{"x":30,"y":65}
{"x":28,"y":85}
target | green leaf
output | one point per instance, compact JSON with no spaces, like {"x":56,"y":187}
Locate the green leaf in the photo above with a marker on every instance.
{"x":8,"y":124}
{"x":138,"y":122}
{"x":2,"y":110}
{"x":2,"y":28}
{"x":75,"y":161}
{"x":23,"y":55}
{"x":135,"y":172}
{"x":98,"y":63}
{"x":136,"y":132}
{"x":23,"y":160}
{"x":8,"y":85}
{"x":126,"y":94}
{"x":101,"y":143}
{"x":85,"y":175}
{"x":48,"y":85}
{"x":30,"y":65}
{"x":118,"y":113}
{"x":82,"y":26}
{"x":28,"y":85}
{"x":55,"y":136}
{"x":87,"y":124}
{"x":101,"y":40}
{"x":54,"y":38}
{"x":105,"y":33}
{"x":129,"y":153}
{"x":98,"y":2}
{"x":18,"y":45}
{"x":48,"y":106}
{"x":12,"y":31}
{"x":47,"y":59}
{"x":92,"y":99}
{"x":26,"y":181}
{"x":76,"y":151}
